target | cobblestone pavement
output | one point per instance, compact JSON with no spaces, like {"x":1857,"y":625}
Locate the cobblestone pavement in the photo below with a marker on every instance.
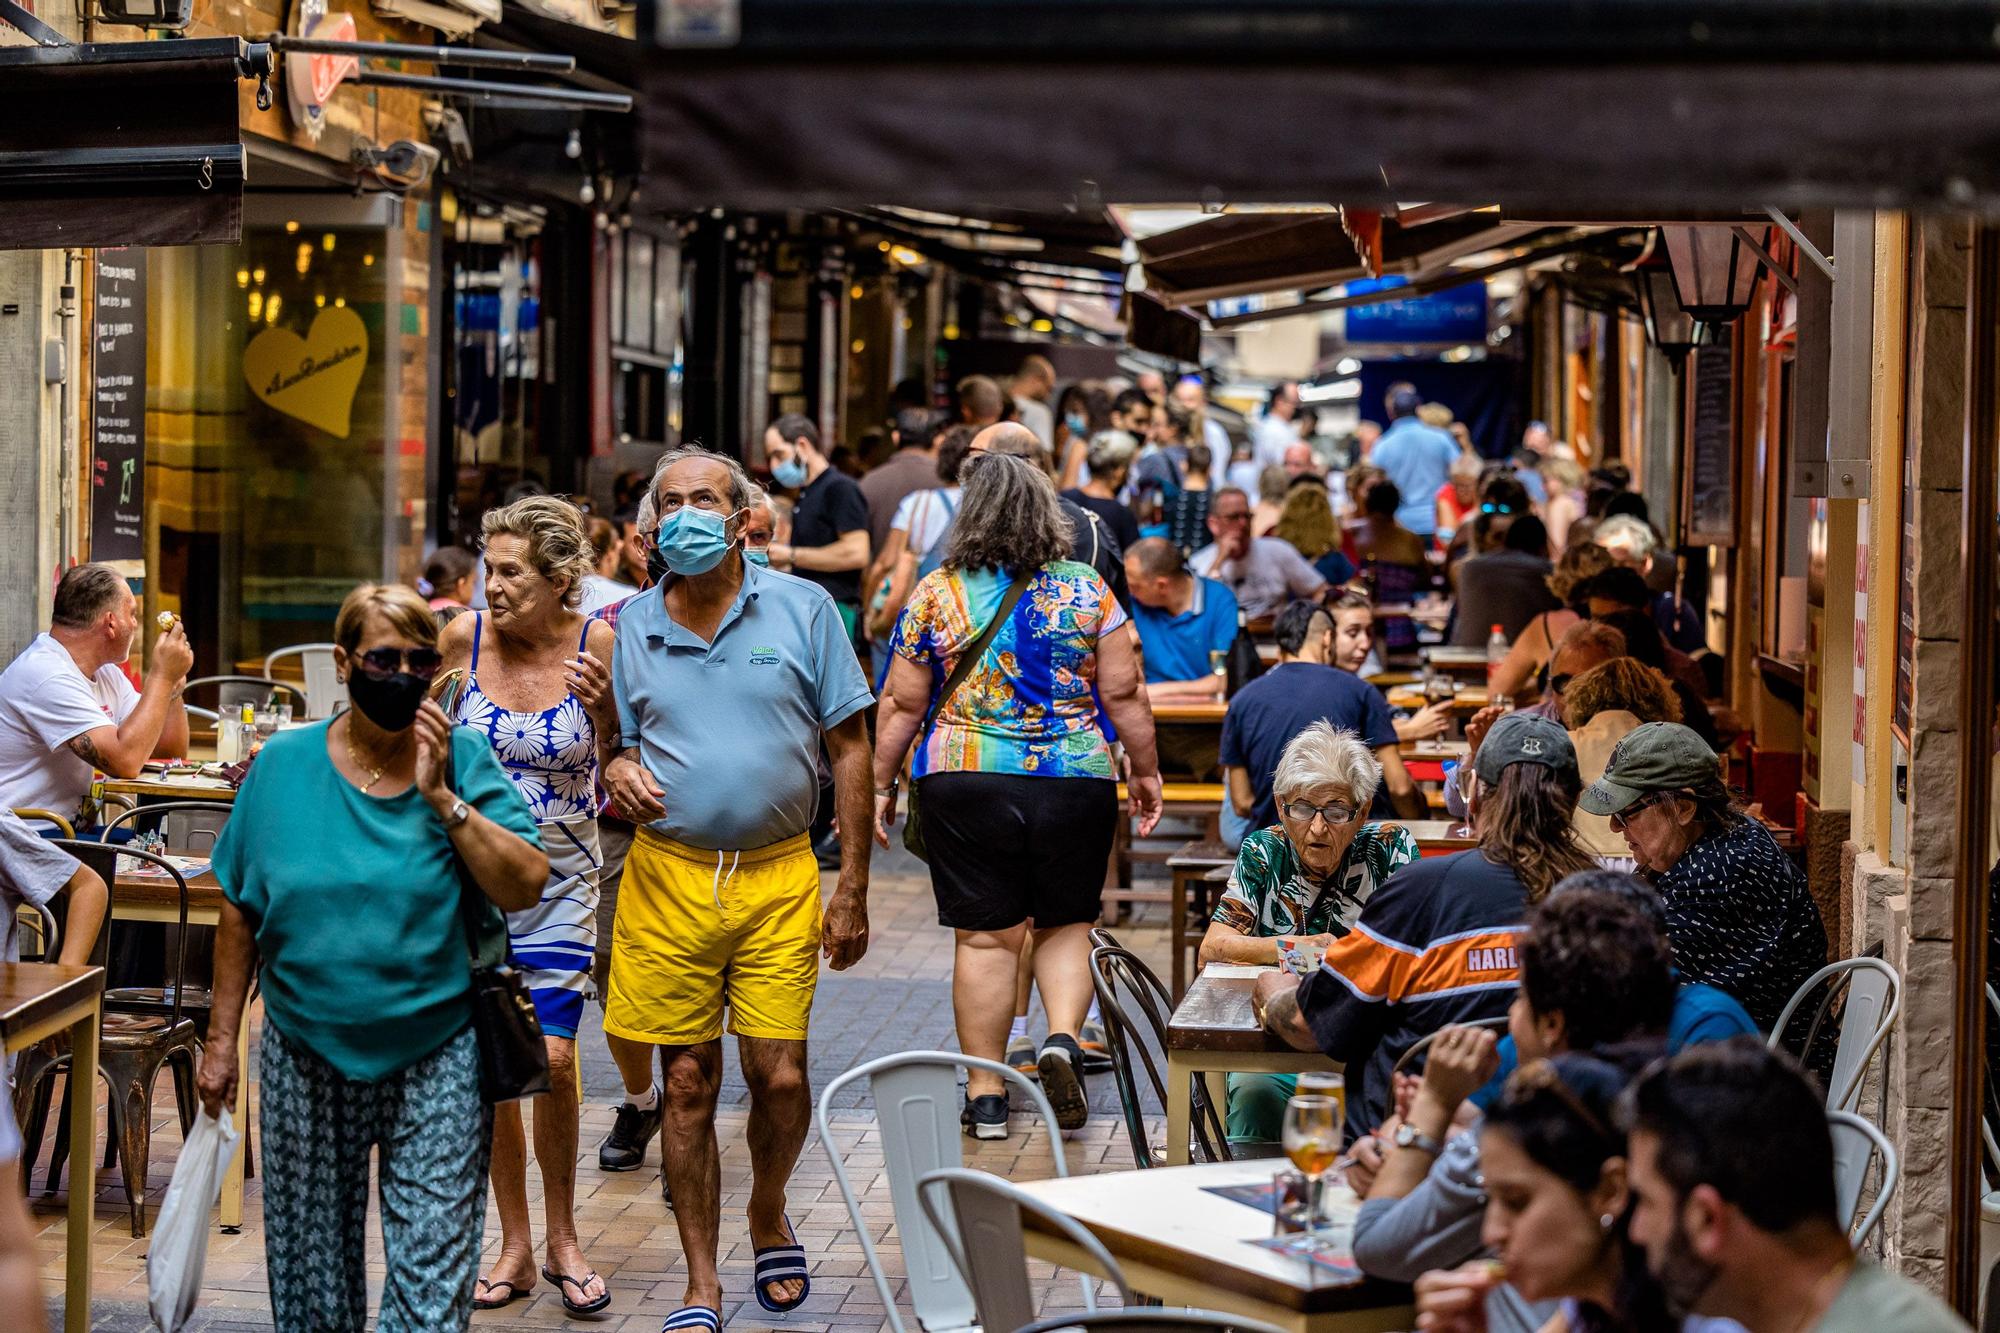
{"x":897,"y":998}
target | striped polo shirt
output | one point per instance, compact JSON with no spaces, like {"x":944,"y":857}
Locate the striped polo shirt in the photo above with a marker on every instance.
{"x":1434,"y":945}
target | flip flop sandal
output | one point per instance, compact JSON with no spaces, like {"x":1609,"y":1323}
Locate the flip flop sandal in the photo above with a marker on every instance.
{"x":564,"y":1283}
{"x":782,"y":1263}
{"x":514,"y":1293}
{"x":693,"y":1319}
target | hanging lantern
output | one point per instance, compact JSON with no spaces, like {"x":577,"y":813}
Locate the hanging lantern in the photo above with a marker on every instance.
{"x":1668,"y":324}
{"x":1713,"y":271}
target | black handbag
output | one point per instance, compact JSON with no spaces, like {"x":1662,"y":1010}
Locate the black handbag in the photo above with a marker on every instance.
{"x":513,"y":1057}
{"x":913,"y":831}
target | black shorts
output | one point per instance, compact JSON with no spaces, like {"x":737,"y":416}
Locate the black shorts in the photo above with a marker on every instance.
{"x":1005,"y":848}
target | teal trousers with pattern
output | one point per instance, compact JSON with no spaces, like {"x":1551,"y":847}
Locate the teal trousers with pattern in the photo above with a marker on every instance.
{"x":434,"y":1135}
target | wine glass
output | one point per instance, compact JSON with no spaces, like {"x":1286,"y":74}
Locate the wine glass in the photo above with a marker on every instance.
{"x":1311,"y":1138}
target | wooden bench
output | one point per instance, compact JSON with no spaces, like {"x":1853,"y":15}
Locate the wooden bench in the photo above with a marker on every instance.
{"x":1198,"y":801}
{"x":1192,"y":900}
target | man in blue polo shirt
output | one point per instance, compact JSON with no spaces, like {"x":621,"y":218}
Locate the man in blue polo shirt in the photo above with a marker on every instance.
{"x":1417,"y":457}
{"x":1182,"y":618}
{"x":728,"y":677}
{"x":1303,"y":689}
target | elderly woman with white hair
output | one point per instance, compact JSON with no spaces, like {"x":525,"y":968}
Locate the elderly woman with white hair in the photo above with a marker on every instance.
{"x":1302,"y":884}
{"x":1111,"y":455}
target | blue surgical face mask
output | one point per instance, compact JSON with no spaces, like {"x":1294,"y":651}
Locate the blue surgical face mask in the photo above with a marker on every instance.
{"x":692,"y":541}
{"x":758,"y":556}
{"x":791,"y":474}
{"x":1078,"y":424}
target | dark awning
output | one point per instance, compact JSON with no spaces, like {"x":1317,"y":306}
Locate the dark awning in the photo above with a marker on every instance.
{"x":1047,"y":104}
{"x":122,"y":143}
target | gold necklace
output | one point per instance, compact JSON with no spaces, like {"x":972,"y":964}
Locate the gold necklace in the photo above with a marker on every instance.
{"x":347,"y":741}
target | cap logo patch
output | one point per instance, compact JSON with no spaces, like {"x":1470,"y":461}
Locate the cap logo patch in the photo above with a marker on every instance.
{"x":1531,"y":745}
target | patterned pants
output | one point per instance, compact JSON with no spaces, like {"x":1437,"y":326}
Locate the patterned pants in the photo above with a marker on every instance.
{"x":435,"y":1136}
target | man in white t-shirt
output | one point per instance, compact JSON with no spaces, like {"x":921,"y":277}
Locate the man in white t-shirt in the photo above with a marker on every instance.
{"x":66,"y":709}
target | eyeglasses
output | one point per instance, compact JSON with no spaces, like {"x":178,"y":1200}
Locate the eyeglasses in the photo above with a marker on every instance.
{"x":1496,"y":509}
{"x":1339,"y":812}
{"x":423,"y":663}
{"x":1646,"y":802}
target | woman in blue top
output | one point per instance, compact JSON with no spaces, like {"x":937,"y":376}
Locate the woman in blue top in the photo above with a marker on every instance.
{"x":339,"y":875}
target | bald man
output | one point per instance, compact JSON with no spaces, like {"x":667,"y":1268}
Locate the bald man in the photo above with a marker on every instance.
{"x":1095,"y":546}
{"x":1034,"y":384}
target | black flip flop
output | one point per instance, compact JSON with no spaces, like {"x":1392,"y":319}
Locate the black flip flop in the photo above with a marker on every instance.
{"x":564,"y":1283}
{"x":514,"y":1293}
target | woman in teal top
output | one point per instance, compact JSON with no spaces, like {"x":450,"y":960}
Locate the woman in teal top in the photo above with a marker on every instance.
{"x":337,"y":867}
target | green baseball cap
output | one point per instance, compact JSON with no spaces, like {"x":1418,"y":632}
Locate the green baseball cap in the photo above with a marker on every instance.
{"x":1524,"y":738}
{"x":1659,"y":756}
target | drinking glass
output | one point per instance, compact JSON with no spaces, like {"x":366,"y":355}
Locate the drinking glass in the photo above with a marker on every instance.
{"x":1311,"y":1138}
{"x":1325,"y":1083}
{"x":1218,"y":661}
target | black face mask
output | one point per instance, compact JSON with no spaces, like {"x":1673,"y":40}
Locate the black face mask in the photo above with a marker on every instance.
{"x":390,"y":702}
{"x":656,"y":566}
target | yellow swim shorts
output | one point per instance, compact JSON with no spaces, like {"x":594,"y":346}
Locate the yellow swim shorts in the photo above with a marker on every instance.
{"x":693,"y":935}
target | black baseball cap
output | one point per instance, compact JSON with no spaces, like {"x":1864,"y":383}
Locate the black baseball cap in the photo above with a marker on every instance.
{"x":1525,"y":738}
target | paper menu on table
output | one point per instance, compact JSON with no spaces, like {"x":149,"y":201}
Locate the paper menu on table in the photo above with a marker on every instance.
{"x":1237,"y":969}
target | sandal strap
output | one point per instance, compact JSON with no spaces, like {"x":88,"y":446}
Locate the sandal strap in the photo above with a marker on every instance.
{"x":693,"y":1316}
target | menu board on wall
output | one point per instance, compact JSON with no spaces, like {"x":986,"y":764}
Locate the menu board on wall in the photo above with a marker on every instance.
{"x":118,"y":407}
{"x":1710,"y":500}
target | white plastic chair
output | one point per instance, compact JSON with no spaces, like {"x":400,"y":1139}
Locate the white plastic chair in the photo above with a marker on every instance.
{"x":983,"y":1235}
{"x":1855,"y":1144}
{"x":1874,"y":998}
{"x":324,"y":692}
{"x":917,"y":1103}
{"x":1149,"y":1321}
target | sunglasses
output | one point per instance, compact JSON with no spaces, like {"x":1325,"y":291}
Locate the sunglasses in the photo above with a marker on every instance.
{"x":1337,"y":813}
{"x":423,"y":663}
{"x":1646,"y":802}
{"x":1496,"y":509}
{"x":1541,"y":1078}
{"x":1557,"y":684}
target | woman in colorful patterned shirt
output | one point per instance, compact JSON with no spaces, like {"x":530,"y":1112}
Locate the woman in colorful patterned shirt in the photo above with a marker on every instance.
{"x":536,"y":685}
{"x":1302,"y":883}
{"x":1015,"y":770}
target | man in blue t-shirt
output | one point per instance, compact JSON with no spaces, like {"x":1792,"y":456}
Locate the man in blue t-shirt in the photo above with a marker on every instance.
{"x":1303,"y":689}
{"x":1417,"y":457}
{"x":1182,"y":620}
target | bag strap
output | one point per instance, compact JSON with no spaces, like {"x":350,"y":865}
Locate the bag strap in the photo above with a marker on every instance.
{"x":475,"y":910}
{"x":970,"y":657}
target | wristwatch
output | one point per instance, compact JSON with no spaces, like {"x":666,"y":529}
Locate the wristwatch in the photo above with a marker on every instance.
{"x":458,"y":814}
{"x":890,"y":790}
{"x":1409,"y":1136}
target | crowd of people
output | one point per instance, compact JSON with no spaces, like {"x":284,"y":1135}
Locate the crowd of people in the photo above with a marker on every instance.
{"x":994,"y":610}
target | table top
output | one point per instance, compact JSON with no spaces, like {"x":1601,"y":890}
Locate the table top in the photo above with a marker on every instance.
{"x":1439,"y":832}
{"x":184,"y":788}
{"x":1166,"y":1217}
{"x":204,"y":891}
{"x":1434,"y":750}
{"x":1210,"y":711}
{"x":1203,"y":854}
{"x":1215,"y":1014}
{"x":1445,"y":654}
{"x":1469,"y":699}
{"x":31,"y":994}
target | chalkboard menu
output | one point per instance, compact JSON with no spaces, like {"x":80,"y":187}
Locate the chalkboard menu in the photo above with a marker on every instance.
{"x":1710,"y":473}
{"x":118,"y":407}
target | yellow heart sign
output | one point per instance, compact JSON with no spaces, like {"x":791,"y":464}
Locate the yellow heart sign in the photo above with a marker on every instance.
{"x":313,"y":378}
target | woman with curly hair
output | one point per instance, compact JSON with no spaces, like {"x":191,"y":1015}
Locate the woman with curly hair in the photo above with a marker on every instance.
{"x":1600,"y":707}
{"x":1306,"y":521}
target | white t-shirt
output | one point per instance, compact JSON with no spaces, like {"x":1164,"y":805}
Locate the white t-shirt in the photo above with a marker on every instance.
{"x":46,"y":702}
{"x":32,"y":870}
{"x":924,"y":516}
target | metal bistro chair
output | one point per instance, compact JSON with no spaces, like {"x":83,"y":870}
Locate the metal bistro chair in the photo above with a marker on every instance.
{"x":916,"y":1115}
{"x":324,"y":692}
{"x":30,"y":815}
{"x":1872,"y":995}
{"x":982,"y":1234}
{"x":131,"y":1051}
{"x":1137,"y":1031}
{"x":1149,"y":1321}
{"x":232,"y":692}
{"x":1407,"y":1058}
{"x":1856,"y":1146}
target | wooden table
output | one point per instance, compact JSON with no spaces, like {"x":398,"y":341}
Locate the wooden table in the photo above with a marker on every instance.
{"x":1468,"y":662}
{"x":38,"y":1000}
{"x":1213,"y":1032}
{"x":1179,"y":1243}
{"x":1438,"y":836}
{"x":1206,"y":712}
{"x":158,"y":787}
{"x":1469,"y":700}
{"x":151,"y":898}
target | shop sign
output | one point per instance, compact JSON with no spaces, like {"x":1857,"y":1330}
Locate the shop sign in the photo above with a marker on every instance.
{"x":118,"y":407}
{"x":1455,"y":315}
{"x":313,"y":378}
{"x":310,"y":80}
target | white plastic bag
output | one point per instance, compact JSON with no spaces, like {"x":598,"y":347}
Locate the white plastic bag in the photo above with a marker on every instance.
{"x":180,"y":1235}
